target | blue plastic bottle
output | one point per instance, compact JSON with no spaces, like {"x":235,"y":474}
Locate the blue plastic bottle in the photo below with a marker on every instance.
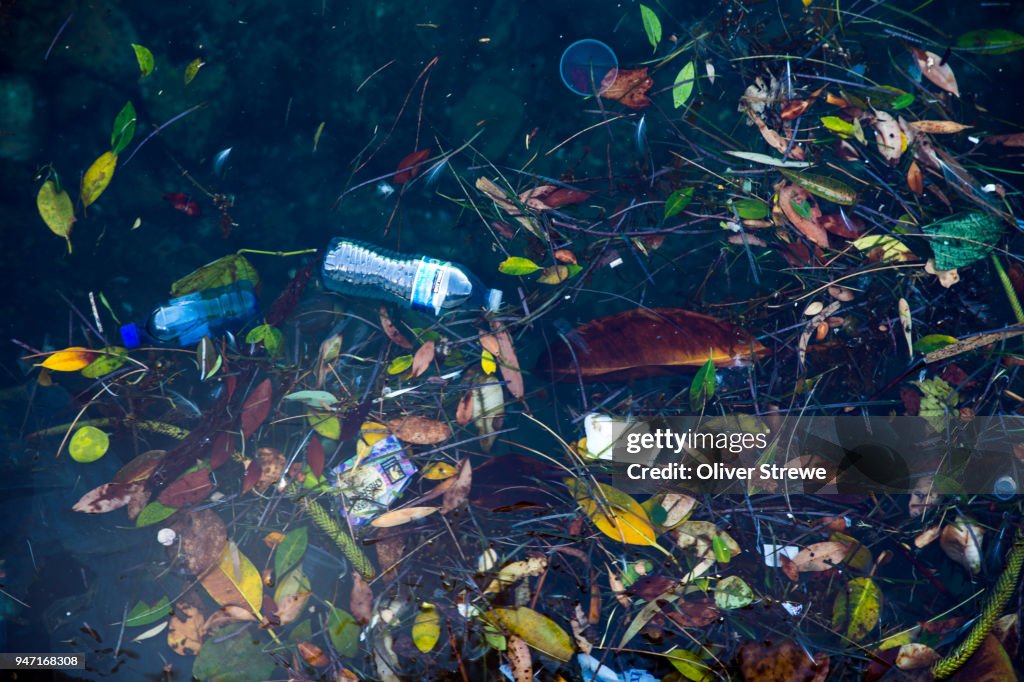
{"x":185,"y":320}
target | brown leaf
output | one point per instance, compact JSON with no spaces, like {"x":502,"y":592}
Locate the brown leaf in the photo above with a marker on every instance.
{"x":519,"y":659}
{"x":272,"y":463}
{"x":398,"y":517}
{"x":741,"y":239}
{"x":781,"y":662}
{"x":934,"y":70}
{"x":508,"y":362}
{"x":795,"y":108}
{"x":548,"y":197}
{"x":361,"y":600}
{"x":458,"y":492}
{"x":464,"y":411}
{"x":629,"y":87}
{"x":202,"y":536}
{"x":915,"y":655}
{"x":106,"y":498}
{"x":647,"y":342}
{"x":390,"y":548}
{"x":423,"y":358}
{"x":821,"y":556}
{"x":315,"y":456}
{"x":139,"y":468}
{"x":253,"y":473}
{"x":185,"y":632}
{"x":692,"y":614}
{"x":565,"y":256}
{"x":774,"y":139}
{"x":939,"y":127}
{"x":849,"y":227}
{"x":888,"y":137}
{"x":1008,"y":140}
{"x":221,"y":450}
{"x":809,"y":227}
{"x":227,"y":614}
{"x":990,"y":663}
{"x":313,"y":654}
{"x":419,"y":430}
{"x":650,"y":586}
{"x":256,"y":408}
{"x":915,"y":180}
{"x":391,"y":331}
{"x":410,"y":166}
{"x":789,"y":568}
{"x":189,"y":489}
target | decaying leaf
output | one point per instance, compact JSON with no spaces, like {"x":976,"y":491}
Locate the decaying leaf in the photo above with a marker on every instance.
{"x":701,"y":536}
{"x":185,"y":633}
{"x":537,"y":630}
{"x":419,"y":430}
{"x":203,"y":537}
{"x":391,"y":331}
{"x":784,"y":661}
{"x":256,"y":408}
{"x":519,"y":659}
{"x":235,"y":581}
{"x":915,"y":655}
{"x":502,"y":348}
{"x":934,"y":69}
{"x":940,"y":127}
{"x":410,"y":166}
{"x":97,"y":177}
{"x":961,"y":541}
{"x":361,"y":600}
{"x":291,"y":595}
{"x":802,"y":211}
{"x":426,"y":628}
{"x":56,"y":210}
{"x":192,"y":487}
{"x":646,"y":342}
{"x":458,"y":491}
{"x":628,"y":86}
{"x":821,"y":556}
{"x":106,"y":498}
{"x":516,"y":571}
{"x":398,"y":517}
{"x":857,"y":608}
{"x":423,"y":358}
{"x":888,"y":137}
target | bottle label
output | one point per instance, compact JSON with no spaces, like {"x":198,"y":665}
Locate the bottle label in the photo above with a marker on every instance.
{"x":430,"y":285}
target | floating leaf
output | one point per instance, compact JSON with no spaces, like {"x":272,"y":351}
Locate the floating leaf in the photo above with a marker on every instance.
{"x":733,"y":593}
{"x":291,"y":594}
{"x":320,"y":400}
{"x":70,"y":359}
{"x":961,"y":541}
{"x":325,"y":423}
{"x":271,"y":338}
{"x":144,"y":614}
{"x":219,"y":273}
{"x":193,"y":68}
{"x":499,"y":343}
{"x":706,"y":540}
{"x":343,"y":632}
{"x":690,"y":665}
{"x":97,"y":177}
{"x":803,"y":212}
{"x":963,"y":239}
{"x":936,"y":70}
{"x":823,"y":186}
{"x":856,"y":609}
{"x":419,"y":430}
{"x":256,"y":408}
{"x":291,"y":550}
{"x":991,"y":41}
{"x":438,"y":471}
{"x":683,"y":87}
{"x":889,"y":248}
{"x":192,"y":487}
{"x":410,"y":166}
{"x":939,"y":127}
{"x":902,"y":101}
{"x":652,"y":25}
{"x":145,"y":59}
{"x":399,"y":364}
{"x":56,"y":210}
{"x":423,"y":358}
{"x":821,"y":556}
{"x":556,"y":274}
{"x":229,"y":658}
{"x":647,"y":342}
{"x":629,"y":87}
{"x":838,"y":126}
{"x":426,"y":628}
{"x":678,"y":201}
{"x":400,"y":517}
{"x":124,"y":129}
{"x":516,"y":265}
{"x":154,"y":512}
{"x":702,"y":388}
{"x":755,"y":157}
{"x":765,"y":661}
{"x":537,"y":630}
{"x":615,"y":513}
{"x":932,"y":342}
{"x":235,"y":580}
{"x":750,"y":209}
{"x":88,"y":444}
{"x":487,"y":363}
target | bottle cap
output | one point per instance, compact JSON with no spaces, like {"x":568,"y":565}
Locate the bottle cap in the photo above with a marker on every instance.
{"x":494,"y":297}
{"x":130,"y":336}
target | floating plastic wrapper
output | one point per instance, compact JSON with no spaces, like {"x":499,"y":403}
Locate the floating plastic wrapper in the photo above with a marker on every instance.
{"x":371,"y":486}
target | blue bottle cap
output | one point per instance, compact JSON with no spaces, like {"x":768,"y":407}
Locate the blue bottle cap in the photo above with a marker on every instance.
{"x":130,"y":335}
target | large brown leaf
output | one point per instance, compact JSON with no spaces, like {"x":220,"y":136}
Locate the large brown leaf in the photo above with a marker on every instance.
{"x":647,"y":342}
{"x":190,"y":488}
{"x":781,"y":662}
{"x":256,"y":408}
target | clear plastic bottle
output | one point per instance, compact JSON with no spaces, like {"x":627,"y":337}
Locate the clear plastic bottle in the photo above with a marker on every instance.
{"x":185,"y":320}
{"x":422,"y":283}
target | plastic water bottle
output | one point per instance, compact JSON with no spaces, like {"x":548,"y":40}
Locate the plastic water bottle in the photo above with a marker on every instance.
{"x":419,"y":282}
{"x":185,"y":320}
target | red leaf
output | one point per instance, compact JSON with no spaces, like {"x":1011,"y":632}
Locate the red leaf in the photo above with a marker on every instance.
{"x":629,"y":87}
{"x":849,"y":228}
{"x":409,"y":167}
{"x":107,"y":497}
{"x":361,"y":600}
{"x":391,"y":331}
{"x":190,"y":488}
{"x":252,"y":475}
{"x":256,"y":408}
{"x":285,"y":303}
{"x":315,"y":456}
{"x":221,"y":450}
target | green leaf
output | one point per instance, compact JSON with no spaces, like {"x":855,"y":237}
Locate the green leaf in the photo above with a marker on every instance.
{"x":690,"y":665}
{"x":144,"y":614}
{"x":733,"y":593}
{"x":154,"y":512}
{"x":720,"y":548}
{"x":963,"y":239}
{"x":516,"y":265}
{"x":145,"y":59}
{"x":56,"y":210}
{"x":400,"y":364}
{"x":124,"y":129}
{"x":193,"y":68}
{"x":991,"y":41}
{"x":677,"y":201}
{"x":823,"y":186}
{"x":537,"y":630}
{"x":857,"y":608}
{"x":801,"y":208}
{"x":271,"y":338}
{"x":902,"y":102}
{"x":290,"y":551}
{"x":221,"y":272}
{"x":652,"y":25}
{"x":933,"y":342}
{"x":702,"y":388}
{"x":838,"y":125}
{"x":112,"y":358}
{"x":227,"y":658}
{"x":320,"y":400}
{"x":750,"y":209}
{"x":343,"y":632}
{"x":325,"y":423}
{"x":683,"y":87}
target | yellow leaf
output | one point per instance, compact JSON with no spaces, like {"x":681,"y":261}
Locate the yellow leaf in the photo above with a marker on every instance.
{"x":426,"y":629}
{"x":487,"y":362}
{"x":370,"y":433}
{"x":615,"y":514}
{"x":192,"y":69}
{"x":70,"y":359}
{"x":554,"y":274}
{"x":537,"y":630}
{"x":857,"y":608}
{"x":243,"y":586}
{"x":56,"y":210}
{"x":438,"y":471}
{"x":98,"y":177}
{"x":324,"y":423}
